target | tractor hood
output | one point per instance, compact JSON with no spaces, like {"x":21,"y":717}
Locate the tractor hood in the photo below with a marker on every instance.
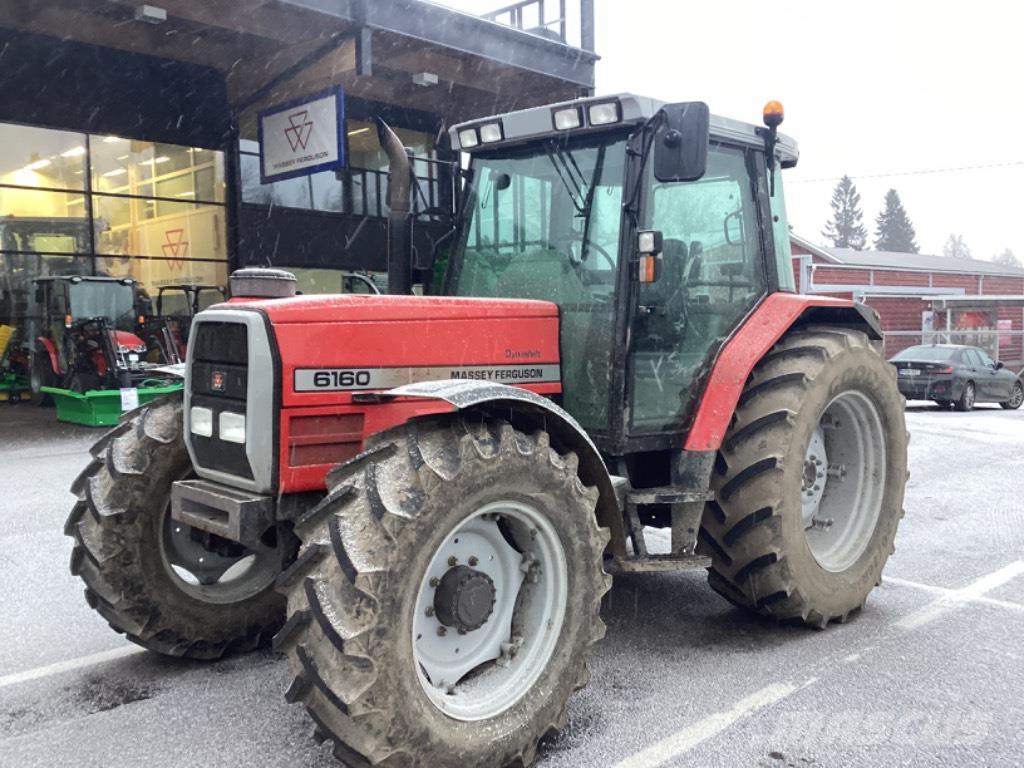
{"x":302,"y":372}
{"x":358,"y":308}
{"x":334,"y":347}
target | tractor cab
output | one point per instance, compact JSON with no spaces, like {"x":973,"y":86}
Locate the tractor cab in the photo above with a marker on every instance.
{"x":654,"y":227}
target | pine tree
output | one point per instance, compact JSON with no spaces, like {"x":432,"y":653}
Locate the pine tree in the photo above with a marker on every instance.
{"x":1007,"y":259}
{"x":956,"y":248}
{"x":894,"y":232}
{"x":846,"y":229}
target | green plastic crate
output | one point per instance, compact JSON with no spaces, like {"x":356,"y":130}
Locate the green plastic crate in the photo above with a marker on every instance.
{"x":100,"y":407}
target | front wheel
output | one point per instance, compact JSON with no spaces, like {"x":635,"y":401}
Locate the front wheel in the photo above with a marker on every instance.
{"x":809,"y":481}
{"x":170,"y":588}
{"x":1016,"y":398}
{"x":445,"y":599}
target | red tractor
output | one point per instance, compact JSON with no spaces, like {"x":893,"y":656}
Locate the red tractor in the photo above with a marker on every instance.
{"x":422,"y":498}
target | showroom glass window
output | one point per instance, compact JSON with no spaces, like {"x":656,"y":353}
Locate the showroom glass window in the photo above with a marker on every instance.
{"x":76,"y":203}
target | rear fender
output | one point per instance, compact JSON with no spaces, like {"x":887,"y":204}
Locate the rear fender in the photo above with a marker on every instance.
{"x":51,"y":351}
{"x":768,"y":322}
{"x":528,"y":410}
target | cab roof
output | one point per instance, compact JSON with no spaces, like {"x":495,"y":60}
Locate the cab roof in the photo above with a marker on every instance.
{"x":525,"y":124}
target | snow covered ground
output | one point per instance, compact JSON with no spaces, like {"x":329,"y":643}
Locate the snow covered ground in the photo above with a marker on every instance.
{"x":928,"y":674}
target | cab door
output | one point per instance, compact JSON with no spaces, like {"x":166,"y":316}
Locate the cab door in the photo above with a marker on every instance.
{"x":713,"y":273}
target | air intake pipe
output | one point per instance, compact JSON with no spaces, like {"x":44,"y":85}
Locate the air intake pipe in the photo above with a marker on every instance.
{"x":399,"y":216}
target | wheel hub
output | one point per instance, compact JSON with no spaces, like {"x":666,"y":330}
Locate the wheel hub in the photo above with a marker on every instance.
{"x":464,"y":599}
{"x":812,"y":484}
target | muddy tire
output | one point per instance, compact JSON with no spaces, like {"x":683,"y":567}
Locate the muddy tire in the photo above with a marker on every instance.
{"x":809,"y":481}
{"x":371,"y":552}
{"x":125,"y":543}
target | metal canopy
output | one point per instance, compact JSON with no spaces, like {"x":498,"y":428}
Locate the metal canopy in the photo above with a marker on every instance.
{"x":274,"y":50}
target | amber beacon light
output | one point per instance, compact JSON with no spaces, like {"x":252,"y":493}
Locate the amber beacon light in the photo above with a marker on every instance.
{"x":773,"y":114}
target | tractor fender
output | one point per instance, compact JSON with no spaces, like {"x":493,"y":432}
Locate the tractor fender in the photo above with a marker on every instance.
{"x":768,"y":322}
{"x":51,"y":350}
{"x":565,"y":431}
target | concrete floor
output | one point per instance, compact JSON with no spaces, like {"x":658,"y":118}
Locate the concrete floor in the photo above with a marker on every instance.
{"x":930,"y":673}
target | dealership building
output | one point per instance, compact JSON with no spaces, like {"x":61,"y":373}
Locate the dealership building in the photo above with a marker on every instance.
{"x":923,"y":299}
{"x":130,"y":134}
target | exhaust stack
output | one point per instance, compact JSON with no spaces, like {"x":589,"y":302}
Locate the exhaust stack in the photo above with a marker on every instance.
{"x":399,"y":205}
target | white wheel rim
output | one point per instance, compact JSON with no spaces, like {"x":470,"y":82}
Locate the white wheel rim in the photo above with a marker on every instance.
{"x":848,"y":455}
{"x":482,"y":673}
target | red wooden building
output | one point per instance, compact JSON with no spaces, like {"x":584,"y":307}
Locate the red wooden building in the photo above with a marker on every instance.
{"x":923,"y":299}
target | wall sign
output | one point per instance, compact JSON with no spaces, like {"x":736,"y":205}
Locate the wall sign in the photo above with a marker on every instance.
{"x":302,"y":137}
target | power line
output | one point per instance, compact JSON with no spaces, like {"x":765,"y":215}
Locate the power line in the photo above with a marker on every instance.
{"x":923,"y":172}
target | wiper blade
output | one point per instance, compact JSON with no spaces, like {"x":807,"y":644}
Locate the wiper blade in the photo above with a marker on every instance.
{"x":565,"y":173}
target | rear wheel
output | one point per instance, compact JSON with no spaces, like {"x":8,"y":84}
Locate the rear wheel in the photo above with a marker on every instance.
{"x":40,"y":374}
{"x":445,"y":599}
{"x":809,"y":481}
{"x":168,"y":587}
{"x":1016,"y":398}
{"x":967,"y":398}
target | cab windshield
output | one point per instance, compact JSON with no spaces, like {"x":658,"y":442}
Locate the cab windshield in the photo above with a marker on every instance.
{"x":111,"y":300}
{"x":543,"y":223}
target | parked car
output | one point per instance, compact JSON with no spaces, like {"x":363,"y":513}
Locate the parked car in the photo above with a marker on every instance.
{"x":957,"y":375}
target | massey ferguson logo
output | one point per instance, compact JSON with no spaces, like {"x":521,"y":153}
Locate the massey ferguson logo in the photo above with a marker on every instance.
{"x":298,"y":130}
{"x":175,"y":247}
{"x":217,"y":381}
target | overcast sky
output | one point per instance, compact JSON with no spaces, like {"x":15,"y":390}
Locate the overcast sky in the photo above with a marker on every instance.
{"x":869,"y":88}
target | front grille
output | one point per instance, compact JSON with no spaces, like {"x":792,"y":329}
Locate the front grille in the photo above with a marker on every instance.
{"x":219,"y":380}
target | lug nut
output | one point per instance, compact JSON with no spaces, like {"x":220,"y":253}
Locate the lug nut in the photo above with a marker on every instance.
{"x":430,"y":610}
{"x":453,"y":561}
{"x":435,"y":583}
{"x":442,"y":631}
{"x":473,"y":561}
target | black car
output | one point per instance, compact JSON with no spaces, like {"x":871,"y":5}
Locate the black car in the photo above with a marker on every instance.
{"x":952,"y":374}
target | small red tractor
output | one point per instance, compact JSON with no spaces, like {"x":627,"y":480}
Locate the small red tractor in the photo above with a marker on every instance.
{"x":81,"y":334}
{"x":423,"y":498}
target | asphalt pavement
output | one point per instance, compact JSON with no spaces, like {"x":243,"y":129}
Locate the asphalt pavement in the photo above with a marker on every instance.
{"x":931,"y":672}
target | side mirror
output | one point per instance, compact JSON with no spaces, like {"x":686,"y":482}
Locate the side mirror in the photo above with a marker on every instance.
{"x":681,"y":142}
{"x":999,"y":365}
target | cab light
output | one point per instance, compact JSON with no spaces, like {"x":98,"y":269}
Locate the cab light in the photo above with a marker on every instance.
{"x":604,"y":114}
{"x":67,"y":321}
{"x":468,"y":138}
{"x":491,"y":132}
{"x":773,"y":114}
{"x":200,"y":421}
{"x":232,"y":427}
{"x":567,"y":119}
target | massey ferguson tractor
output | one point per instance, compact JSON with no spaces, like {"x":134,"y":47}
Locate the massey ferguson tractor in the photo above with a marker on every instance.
{"x":422,"y":499}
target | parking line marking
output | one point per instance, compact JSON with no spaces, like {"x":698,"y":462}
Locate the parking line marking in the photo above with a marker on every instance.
{"x":689,"y":737}
{"x":69,"y":666}
{"x":1008,"y":604}
{"x":953,"y":599}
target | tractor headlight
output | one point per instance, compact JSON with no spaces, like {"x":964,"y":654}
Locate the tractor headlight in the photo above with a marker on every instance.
{"x":468,"y":138}
{"x":232,"y":427}
{"x":604,"y":114}
{"x":200,"y":421}
{"x":491,"y":132}
{"x":567,"y":119}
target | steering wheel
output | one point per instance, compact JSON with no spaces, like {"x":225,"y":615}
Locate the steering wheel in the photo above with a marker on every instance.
{"x":576,"y":262}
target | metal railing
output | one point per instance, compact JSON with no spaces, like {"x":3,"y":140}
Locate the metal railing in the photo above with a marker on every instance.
{"x":533,"y":16}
